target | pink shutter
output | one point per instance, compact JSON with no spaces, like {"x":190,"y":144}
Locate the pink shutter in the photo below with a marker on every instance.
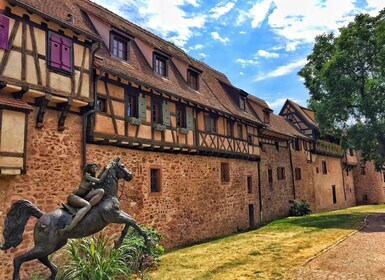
{"x":4,"y":29}
{"x":66,"y":54}
{"x":55,"y":47}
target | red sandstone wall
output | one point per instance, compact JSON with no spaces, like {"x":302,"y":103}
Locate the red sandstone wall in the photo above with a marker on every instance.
{"x":304,"y":188}
{"x":53,"y":170}
{"x":275,"y":199}
{"x":371,"y":184}
{"x":323,"y":183}
{"x":193,"y":204}
{"x":349,"y":188}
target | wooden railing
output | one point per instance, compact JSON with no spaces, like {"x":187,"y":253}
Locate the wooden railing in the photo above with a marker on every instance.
{"x":328,"y":149}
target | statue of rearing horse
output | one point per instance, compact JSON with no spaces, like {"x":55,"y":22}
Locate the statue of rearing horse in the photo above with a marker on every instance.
{"x":46,"y":231}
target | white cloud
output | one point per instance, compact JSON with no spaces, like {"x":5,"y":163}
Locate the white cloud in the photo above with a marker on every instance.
{"x":203,"y":55}
{"x":246,"y":62}
{"x":216,"y":36}
{"x":165,"y":18}
{"x":221,"y":9}
{"x":282,"y":70}
{"x":241,"y":73}
{"x":196,"y":47}
{"x":242,"y":32}
{"x":259,"y":12}
{"x":266,"y":54}
{"x":299,"y":21}
{"x":277,"y":104}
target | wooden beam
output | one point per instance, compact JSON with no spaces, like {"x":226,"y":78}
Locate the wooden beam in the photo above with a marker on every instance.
{"x":19,"y":94}
{"x":64,"y":110}
{"x":42,"y":103}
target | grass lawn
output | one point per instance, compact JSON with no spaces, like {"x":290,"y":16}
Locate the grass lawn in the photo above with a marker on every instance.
{"x":270,"y":252}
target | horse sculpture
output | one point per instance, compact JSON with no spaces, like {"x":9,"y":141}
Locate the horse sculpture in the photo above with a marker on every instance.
{"x":46,"y":231}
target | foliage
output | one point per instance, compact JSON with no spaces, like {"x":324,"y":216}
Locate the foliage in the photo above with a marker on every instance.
{"x":95,"y":257}
{"x":345,"y":75}
{"x":299,"y":208}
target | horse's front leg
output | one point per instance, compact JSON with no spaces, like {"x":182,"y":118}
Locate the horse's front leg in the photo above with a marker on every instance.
{"x":124,"y":218}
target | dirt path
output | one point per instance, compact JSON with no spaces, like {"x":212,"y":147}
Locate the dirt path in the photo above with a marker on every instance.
{"x":360,"y":256}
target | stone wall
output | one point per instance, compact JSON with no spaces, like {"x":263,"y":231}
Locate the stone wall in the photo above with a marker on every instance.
{"x":53,"y":170}
{"x":349,"y":188}
{"x":193,"y":203}
{"x":370,"y":186}
{"x":323,"y":183}
{"x":275,"y":196}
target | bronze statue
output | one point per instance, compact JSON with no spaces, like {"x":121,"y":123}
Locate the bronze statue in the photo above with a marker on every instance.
{"x":52,"y":230}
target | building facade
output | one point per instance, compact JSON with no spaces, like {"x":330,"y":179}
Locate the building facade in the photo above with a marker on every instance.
{"x":79,"y":83}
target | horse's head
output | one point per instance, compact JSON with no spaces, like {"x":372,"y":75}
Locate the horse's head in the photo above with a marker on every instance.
{"x":121,"y":170}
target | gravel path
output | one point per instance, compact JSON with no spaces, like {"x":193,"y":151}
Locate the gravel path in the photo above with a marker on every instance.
{"x":360,"y":256}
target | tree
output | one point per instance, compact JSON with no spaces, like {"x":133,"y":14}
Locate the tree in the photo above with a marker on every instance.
{"x":345,"y":76}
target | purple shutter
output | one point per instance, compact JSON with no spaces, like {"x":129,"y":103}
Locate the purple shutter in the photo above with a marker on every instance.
{"x":66,"y":54}
{"x":4,"y":29}
{"x":55,"y":47}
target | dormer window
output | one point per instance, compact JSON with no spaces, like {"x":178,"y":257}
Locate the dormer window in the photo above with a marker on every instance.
{"x":160,"y":65}
{"x":242,"y":103}
{"x":266,"y":117}
{"x":119,"y":46}
{"x":193,"y":79}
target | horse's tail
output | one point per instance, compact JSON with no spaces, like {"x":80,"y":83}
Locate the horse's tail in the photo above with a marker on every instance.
{"x":15,"y":222}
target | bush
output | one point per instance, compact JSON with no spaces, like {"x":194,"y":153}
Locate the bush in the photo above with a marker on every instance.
{"x":299,"y":208}
{"x":95,"y":258}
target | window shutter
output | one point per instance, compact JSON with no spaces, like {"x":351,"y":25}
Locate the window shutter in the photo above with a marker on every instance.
{"x":142,"y":110}
{"x":189,"y":119}
{"x":66,"y":54}
{"x":166,"y":114}
{"x":4,"y":29}
{"x":55,"y":49}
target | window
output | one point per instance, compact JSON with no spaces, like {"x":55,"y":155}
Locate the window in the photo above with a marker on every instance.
{"x":240,"y":131}
{"x":298,"y":174}
{"x":210,"y":123}
{"x":225,"y":172}
{"x":101,"y":104}
{"x":155,"y":180}
{"x":60,"y":55}
{"x":351,"y":152}
{"x":4,"y":30}
{"x":193,"y":79}
{"x":365,"y":198}
{"x":270,"y":177}
{"x":155,"y":112}
{"x":266,"y":117}
{"x":250,"y":139}
{"x":383,"y":175}
{"x":230,"y":128}
{"x":132,"y":106}
{"x":324,"y":167}
{"x":281,"y":173}
{"x":180,"y":117}
{"x":276,"y":143}
{"x":160,"y":65}
{"x":249,"y":184}
{"x":242,"y":103}
{"x":363,"y":170}
{"x":334,"y":194}
{"x":119,"y":47}
{"x":297,"y":144}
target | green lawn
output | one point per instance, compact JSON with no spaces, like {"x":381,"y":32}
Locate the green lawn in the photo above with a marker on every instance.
{"x":270,"y":252}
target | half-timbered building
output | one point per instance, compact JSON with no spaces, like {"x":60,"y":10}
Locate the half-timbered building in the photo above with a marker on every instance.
{"x":79,"y":83}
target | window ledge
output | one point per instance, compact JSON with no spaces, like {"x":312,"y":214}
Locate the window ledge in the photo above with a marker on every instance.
{"x":134,"y":121}
{"x":159,"y":127}
{"x":183,"y":130}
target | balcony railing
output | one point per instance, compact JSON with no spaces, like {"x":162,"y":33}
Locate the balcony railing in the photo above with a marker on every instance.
{"x":328,"y":149}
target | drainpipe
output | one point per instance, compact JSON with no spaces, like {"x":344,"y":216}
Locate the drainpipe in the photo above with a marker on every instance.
{"x":343,"y":178}
{"x":291,"y":167}
{"x":85,"y":115}
{"x":260,"y":192}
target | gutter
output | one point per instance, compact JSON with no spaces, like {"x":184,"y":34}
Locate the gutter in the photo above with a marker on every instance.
{"x":291,"y":167}
{"x":260,"y":193}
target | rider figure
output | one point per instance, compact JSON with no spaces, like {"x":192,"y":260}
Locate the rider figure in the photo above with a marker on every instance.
{"x":85,"y":196}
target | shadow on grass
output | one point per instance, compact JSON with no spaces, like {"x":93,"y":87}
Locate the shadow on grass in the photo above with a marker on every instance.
{"x":327,"y":221}
{"x":223,"y":267}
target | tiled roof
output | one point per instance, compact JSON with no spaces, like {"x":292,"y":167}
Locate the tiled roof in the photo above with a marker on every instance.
{"x":12,"y":103}
{"x":259,"y":101}
{"x":211,"y":94}
{"x":58,"y":11}
{"x":281,"y":125}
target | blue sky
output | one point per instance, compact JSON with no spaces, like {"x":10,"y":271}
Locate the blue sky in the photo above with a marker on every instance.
{"x":259,"y":45}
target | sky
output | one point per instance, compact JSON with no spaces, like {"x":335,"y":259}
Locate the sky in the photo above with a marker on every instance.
{"x":260,"y":45}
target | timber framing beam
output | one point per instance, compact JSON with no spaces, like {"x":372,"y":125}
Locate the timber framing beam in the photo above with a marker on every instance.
{"x":42,"y":103}
{"x":64,"y":109}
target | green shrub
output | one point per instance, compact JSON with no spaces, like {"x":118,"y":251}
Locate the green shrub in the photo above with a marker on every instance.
{"x":95,"y":257}
{"x":299,"y":208}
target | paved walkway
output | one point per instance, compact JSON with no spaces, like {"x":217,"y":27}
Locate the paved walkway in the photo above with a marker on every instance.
{"x":360,"y":256}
